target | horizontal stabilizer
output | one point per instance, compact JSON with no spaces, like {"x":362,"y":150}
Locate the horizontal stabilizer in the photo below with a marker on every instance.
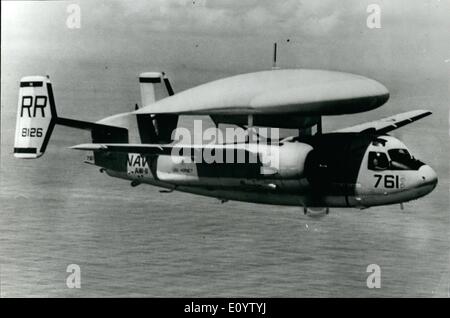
{"x":161,"y":149}
{"x":87,"y":125}
{"x":135,"y":148}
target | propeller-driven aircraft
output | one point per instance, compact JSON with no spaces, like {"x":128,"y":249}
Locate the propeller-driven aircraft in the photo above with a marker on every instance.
{"x":359,"y":166}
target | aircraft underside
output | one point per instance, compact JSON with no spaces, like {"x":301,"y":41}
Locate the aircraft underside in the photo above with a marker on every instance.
{"x":267,"y":191}
{"x":272,"y":191}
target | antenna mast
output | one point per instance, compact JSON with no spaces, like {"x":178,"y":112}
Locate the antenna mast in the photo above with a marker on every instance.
{"x":274,"y":65}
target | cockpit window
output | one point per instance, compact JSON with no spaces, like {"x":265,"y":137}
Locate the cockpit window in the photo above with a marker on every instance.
{"x":399,"y":155}
{"x":401,"y":159}
{"x":378,"y":161}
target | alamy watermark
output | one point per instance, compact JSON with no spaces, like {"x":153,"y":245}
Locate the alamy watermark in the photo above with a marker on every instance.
{"x":73,"y":20}
{"x":374,"y":279}
{"x":374,"y":18}
{"x":236,"y":145}
{"x":74,"y":278}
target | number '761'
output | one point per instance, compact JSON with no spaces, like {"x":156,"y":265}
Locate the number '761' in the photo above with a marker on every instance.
{"x":389,"y":181}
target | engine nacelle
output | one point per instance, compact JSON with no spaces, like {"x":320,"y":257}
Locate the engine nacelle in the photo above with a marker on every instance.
{"x":287,"y":159}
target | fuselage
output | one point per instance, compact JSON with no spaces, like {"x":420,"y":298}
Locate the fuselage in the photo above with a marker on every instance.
{"x":329,"y":170}
{"x":357,"y":167}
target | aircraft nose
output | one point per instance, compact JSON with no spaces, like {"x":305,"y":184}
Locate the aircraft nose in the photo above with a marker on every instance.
{"x":428,"y":177}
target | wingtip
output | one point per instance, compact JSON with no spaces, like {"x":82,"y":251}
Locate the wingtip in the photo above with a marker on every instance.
{"x":425,"y":111}
{"x":88,"y":147}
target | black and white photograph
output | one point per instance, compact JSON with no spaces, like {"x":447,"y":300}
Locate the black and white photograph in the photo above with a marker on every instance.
{"x":207,"y":149}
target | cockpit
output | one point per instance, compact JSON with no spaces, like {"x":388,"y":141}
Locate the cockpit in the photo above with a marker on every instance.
{"x":366,"y":170}
{"x":384,"y":155}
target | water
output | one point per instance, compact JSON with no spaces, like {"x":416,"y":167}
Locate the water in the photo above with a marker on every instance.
{"x":138,"y":242}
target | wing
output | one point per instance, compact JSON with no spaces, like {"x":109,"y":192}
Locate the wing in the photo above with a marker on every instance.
{"x":385,"y":125}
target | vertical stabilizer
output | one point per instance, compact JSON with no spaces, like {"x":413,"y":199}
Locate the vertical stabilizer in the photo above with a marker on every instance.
{"x":36,"y":117}
{"x":154,"y":86}
{"x":155,"y":128}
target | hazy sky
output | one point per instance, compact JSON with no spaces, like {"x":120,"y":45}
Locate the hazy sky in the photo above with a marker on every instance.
{"x":230,"y":36}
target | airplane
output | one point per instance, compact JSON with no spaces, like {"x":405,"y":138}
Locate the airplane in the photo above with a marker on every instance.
{"x":354,"y":167}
